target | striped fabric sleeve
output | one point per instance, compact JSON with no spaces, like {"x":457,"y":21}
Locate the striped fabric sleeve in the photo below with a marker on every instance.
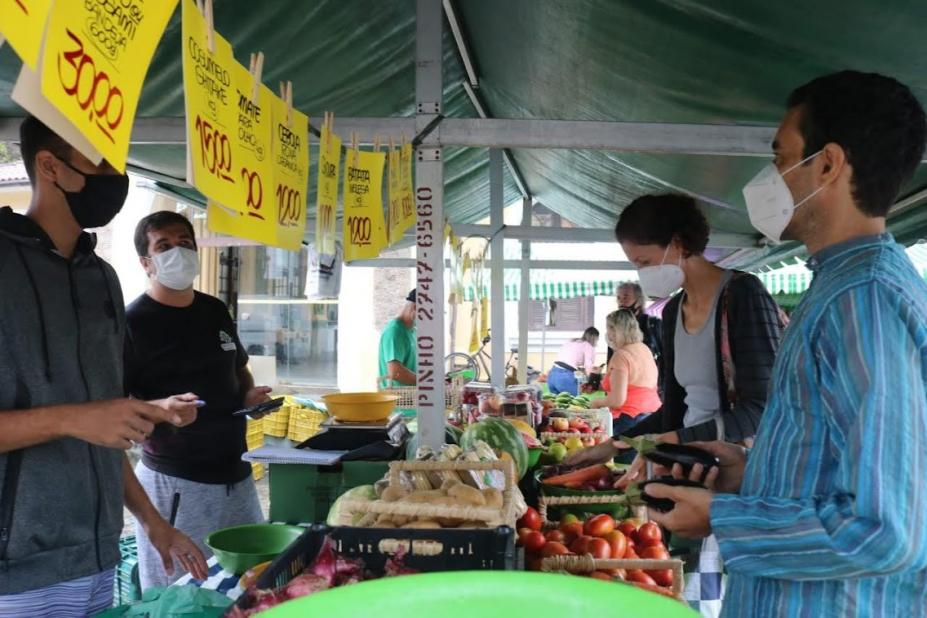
{"x":867,"y":382}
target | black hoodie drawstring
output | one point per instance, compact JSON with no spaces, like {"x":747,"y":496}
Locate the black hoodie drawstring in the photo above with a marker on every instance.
{"x":38,"y":301}
{"x":111,"y":307}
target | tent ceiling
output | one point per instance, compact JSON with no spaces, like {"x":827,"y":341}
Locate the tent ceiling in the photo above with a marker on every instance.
{"x":672,"y":61}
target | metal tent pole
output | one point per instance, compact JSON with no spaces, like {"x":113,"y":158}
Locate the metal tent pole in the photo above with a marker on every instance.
{"x":524,"y":300}
{"x":496,"y":268}
{"x":429,"y":200}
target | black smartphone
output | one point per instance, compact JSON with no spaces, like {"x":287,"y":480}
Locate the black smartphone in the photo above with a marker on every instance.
{"x":261,"y":408}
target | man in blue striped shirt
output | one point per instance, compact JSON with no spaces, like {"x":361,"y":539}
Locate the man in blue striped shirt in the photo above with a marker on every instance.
{"x":827,"y":514}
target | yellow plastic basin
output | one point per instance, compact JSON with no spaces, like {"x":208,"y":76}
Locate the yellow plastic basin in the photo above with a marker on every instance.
{"x":360,"y":407}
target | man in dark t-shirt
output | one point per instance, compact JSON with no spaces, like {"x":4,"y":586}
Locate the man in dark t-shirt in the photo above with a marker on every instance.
{"x":181,"y":341}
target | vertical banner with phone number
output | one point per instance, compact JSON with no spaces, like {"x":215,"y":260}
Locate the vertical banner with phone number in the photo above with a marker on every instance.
{"x":252,"y":213}
{"x":211,"y":108}
{"x":94,"y":62}
{"x":23,"y":25}
{"x":290,"y":172}
{"x":364,"y":229}
{"x":327,"y":191}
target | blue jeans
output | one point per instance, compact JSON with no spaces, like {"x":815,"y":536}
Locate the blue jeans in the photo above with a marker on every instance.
{"x":561,"y":380}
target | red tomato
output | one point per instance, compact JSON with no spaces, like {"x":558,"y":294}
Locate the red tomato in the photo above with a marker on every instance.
{"x":640,"y":577}
{"x":605,"y":577}
{"x":533,"y":541}
{"x":663,"y":577}
{"x":628,"y":529}
{"x":569,"y":518}
{"x":600,"y":525}
{"x":616,"y":573}
{"x":655,"y":552}
{"x":555,"y":535}
{"x":572,"y":531}
{"x":630,"y":554}
{"x":531,"y":519}
{"x":521,"y":533}
{"x":599,"y":548}
{"x":580,"y":545}
{"x":618,"y":544}
{"x":649,"y":532}
{"x":553,"y":548}
{"x":643,"y":543}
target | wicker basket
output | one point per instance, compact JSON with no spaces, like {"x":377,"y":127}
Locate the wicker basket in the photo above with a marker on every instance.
{"x":487,"y":516}
{"x":407,"y":397}
{"x":639,"y":512}
{"x":304,"y":423}
{"x":587,"y":564}
{"x":598,"y":435}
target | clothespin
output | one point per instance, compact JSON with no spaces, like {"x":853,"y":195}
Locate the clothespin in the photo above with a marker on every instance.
{"x":286,"y":93}
{"x":257,"y":68}
{"x":376,"y":143}
{"x":354,"y":147}
{"x":205,"y":7}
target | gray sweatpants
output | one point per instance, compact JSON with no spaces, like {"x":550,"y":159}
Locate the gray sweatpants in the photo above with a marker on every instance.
{"x":203,"y":508}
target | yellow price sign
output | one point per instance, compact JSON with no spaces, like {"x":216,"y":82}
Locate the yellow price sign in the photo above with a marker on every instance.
{"x":401,"y":211}
{"x":94,"y":62}
{"x":327,"y":191}
{"x":290,"y":172}
{"x":211,"y":109}
{"x":23,"y":25}
{"x":253,"y":213}
{"x":364,"y":230}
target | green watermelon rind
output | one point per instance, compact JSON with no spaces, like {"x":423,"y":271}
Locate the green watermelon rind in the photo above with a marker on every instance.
{"x":501,"y":436}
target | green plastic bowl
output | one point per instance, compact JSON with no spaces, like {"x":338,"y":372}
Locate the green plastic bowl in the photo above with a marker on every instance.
{"x":241,"y":547}
{"x":618,"y":510}
{"x":534,"y":455}
{"x":487,"y":594}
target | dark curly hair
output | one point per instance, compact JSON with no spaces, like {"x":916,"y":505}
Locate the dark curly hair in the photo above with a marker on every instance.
{"x":876,"y":120}
{"x":657,"y":219}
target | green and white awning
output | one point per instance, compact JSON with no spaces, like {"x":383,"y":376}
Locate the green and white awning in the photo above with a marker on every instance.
{"x":543,"y":288}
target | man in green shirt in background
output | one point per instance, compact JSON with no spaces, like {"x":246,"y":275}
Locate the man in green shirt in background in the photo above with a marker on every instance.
{"x":398,"y":360}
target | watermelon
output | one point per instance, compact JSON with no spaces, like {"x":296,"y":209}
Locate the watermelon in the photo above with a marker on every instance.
{"x":502,"y":436}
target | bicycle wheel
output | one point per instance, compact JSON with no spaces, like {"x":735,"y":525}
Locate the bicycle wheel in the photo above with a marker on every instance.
{"x":461,"y":365}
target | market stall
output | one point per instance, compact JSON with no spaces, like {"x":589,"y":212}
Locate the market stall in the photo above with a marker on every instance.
{"x":464,"y":490}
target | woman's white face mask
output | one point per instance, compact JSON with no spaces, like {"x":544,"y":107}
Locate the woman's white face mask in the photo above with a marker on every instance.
{"x":661,"y":281}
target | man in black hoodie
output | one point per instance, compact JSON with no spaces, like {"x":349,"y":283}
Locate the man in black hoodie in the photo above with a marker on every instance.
{"x":63,"y":414}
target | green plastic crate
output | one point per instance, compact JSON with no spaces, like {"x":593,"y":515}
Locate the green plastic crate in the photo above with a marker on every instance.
{"x":126,"y":586}
{"x":301,"y":493}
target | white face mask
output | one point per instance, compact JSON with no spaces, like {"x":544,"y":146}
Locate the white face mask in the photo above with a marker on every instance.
{"x":661,"y":281}
{"x":176,"y":268}
{"x":769,"y":201}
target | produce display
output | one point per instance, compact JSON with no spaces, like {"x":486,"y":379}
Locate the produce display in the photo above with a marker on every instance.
{"x":328,"y":570}
{"x":603,"y":538}
{"x":503,"y":437}
{"x":566,"y":401}
{"x":599,"y":477}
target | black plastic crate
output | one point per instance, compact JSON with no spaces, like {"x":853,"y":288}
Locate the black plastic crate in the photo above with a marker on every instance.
{"x":461,"y":550}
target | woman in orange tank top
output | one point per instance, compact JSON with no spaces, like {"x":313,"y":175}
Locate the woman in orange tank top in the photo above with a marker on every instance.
{"x":630,"y":381}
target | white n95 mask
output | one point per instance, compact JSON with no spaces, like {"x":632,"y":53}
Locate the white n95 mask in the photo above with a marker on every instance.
{"x":769,"y":202}
{"x":661,"y":281}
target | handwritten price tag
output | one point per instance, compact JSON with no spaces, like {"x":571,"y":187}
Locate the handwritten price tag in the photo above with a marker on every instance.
{"x":327,"y":191}
{"x":290,"y":172}
{"x":213,"y":164}
{"x":95,"y":59}
{"x":364,"y":229}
